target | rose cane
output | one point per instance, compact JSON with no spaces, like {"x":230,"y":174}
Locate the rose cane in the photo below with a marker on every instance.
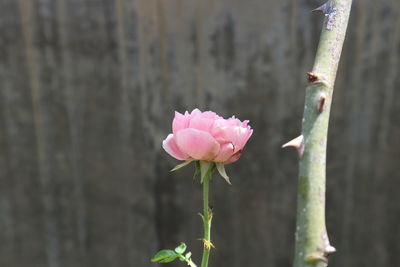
{"x":211,"y":142}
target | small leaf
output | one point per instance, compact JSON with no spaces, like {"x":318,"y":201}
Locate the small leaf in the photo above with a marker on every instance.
{"x":222,"y":172}
{"x":164,"y":255}
{"x":181,"y":248}
{"x":177,"y":167}
{"x":188,"y":255}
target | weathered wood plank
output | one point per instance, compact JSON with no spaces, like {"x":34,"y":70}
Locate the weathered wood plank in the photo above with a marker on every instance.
{"x":88,"y":90}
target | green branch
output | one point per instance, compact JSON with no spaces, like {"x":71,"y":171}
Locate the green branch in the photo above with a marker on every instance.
{"x":312,"y":243}
{"x":206,"y":169}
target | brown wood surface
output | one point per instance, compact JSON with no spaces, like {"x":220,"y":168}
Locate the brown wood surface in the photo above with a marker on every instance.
{"x":88,"y":91}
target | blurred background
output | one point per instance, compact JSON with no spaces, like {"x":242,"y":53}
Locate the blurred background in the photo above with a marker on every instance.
{"x":88,"y":93}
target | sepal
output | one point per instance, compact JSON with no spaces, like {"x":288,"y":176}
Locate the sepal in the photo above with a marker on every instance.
{"x":222,"y":172}
{"x":197,"y":171}
{"x":206,"y":169}
{"x":179,"y":166}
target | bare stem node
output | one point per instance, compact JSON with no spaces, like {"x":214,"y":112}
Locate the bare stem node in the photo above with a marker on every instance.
{"x":321,"y":103}
{"x":313,"y":77}
{"x":316,"y":257}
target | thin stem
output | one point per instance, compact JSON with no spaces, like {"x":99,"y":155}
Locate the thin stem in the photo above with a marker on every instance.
{"x":207,"y":217}
{"x":312,"y":243}
{"x":188,"y":261}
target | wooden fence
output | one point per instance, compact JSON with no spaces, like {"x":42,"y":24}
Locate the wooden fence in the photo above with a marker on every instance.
{"x":88,"y":91}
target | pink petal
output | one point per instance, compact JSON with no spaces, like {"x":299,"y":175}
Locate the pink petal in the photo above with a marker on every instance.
{"x":202,"y":124}
{"x":194,"y":112}
{"x":249,"y":134}
{"x":171,"y":148}
{"x":180,"y":122}
{"x":197,"y":144}
{"x":210,"y":115}
{"x":183,"y":121}
{"x":203,"y":121}
{"x":236,"y":135}
{"x":218,"y":127}
{"x":226,"y":151}
{"x":245,"y":134}
{"x":234,"y":157}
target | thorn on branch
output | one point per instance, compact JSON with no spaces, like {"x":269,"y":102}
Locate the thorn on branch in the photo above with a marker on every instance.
{"x":329,"y":11}
{"x":329,"y":250}
{"x":322,"y":9}
{"x":298,"y":144}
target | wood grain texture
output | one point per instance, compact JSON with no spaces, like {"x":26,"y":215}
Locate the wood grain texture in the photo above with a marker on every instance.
{"x":88,"y":91}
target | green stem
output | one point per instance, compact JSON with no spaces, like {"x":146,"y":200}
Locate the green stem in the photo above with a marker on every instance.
{"x":207,"y":215}
{"x":312,"y":243}
{"x":188,"y":261}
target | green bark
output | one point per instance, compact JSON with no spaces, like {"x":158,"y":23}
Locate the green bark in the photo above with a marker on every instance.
{"x":312,"y":243}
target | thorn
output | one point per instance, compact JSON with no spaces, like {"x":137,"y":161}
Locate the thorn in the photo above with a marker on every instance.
{"x":322,"y":9}
{"x":297,"y":143}
{"x":321,"y":103}
{"x":329,"y":250}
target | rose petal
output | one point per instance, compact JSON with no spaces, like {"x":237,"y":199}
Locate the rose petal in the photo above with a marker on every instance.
{"x":226,"y":151}
{"x":170,"y":146}
{"x":237,"y":135}
{"x":202,"y":124}
{"x":210,"y":115}
{"x":234,"y":157}
{"x":180,"y":122}
{"x":195,"y":112}
{"x":197,"y":144}
{"x":243,"y":136}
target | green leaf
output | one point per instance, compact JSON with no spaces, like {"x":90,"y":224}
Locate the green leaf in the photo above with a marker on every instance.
{"x":181,"y":248}
{"x":172,"y":258}
{"x":164,"y":255}
{"x":222,"y":172}
{"x":177,"y":167}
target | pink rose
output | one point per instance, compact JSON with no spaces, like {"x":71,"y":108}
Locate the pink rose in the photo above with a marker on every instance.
{"x":207,"y":136}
